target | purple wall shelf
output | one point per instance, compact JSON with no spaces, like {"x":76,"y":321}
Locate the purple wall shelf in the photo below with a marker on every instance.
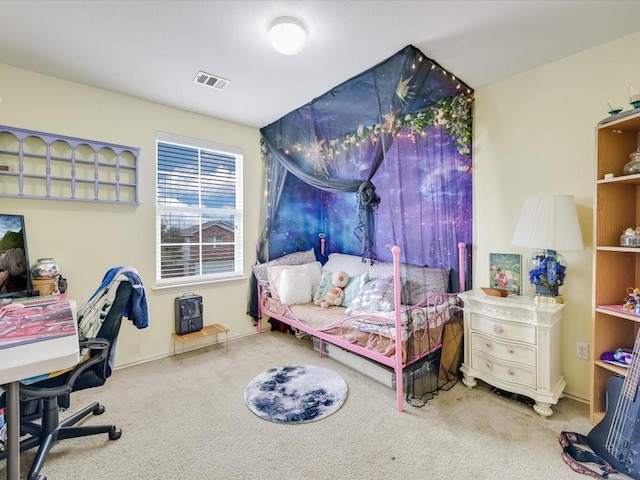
{"x":55,"y":167}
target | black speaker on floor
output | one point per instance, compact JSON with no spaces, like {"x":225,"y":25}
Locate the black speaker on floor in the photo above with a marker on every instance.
{"x":188,"y":314}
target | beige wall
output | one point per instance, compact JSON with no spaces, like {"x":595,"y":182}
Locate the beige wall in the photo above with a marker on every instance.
{"x":87,"y":239}
{"x":534,"y":133}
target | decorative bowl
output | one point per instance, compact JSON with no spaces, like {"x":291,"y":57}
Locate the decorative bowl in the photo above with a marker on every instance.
{"x":495,"y":292}
{"x":44,"y":268}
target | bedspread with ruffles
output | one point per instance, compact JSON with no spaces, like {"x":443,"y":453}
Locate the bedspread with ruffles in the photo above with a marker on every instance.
{"x":421,"y":333}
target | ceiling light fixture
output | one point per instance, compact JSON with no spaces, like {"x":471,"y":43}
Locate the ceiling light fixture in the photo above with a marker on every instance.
{"x":287,"y":35}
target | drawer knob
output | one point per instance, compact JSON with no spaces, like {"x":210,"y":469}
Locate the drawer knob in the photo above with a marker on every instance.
{"x":489,"y":365}
{"x":511,"y":371}
{"x":489,"y":344}
{"x":511,"y":350}
{"x":499,"y":329}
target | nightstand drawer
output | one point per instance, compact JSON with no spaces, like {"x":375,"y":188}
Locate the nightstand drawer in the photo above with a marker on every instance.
{"x":502,"y":350}
{"x":502,"y":371}
{"x":508,"y":330}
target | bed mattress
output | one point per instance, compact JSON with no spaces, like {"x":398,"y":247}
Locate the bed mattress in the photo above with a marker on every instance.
{"x":422,"y":326}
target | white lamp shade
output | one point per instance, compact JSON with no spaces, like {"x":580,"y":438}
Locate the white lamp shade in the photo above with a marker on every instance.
{"x":549,"y":222}
{"x":287,"y":35}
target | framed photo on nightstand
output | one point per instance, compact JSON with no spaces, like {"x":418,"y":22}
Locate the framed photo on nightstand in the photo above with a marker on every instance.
{"x":505,"y":271}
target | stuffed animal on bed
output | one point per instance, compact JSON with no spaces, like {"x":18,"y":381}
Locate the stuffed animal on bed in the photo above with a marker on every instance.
{"x":335,"y":295}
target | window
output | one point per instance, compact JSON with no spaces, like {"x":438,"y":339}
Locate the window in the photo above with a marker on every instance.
{"x":198,"y":211}
{"x":216,"y":241}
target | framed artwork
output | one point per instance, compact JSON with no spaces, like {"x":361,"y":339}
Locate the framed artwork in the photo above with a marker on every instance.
{"x":505,"y":271}
{"x":15,"y":276}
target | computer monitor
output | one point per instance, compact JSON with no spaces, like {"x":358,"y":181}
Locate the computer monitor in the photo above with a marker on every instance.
{"x":15,"y":274}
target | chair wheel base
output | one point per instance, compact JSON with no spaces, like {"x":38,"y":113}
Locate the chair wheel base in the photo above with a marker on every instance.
{"x":99,"y":410}
{"x":115,"y":433}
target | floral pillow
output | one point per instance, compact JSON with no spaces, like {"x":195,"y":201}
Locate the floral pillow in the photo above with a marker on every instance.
{"x":374,"y":296}
{"x":297,"y":258}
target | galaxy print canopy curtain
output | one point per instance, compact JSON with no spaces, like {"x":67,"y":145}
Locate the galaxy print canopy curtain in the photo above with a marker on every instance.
{"x":383,"y":159}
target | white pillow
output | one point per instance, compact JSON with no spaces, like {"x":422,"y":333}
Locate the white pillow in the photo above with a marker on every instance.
{"x":352,"y":264}
{"x":295,"y":287}
{"x":313,"y":270}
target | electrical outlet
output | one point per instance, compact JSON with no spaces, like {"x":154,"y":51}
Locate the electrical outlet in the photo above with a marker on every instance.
{"x":582,"y":350}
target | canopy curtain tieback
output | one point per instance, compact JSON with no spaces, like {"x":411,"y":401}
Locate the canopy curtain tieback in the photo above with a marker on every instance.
{"x":368,"y":202}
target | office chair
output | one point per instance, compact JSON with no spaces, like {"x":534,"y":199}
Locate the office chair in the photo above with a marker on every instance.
{"x":44,"y":399}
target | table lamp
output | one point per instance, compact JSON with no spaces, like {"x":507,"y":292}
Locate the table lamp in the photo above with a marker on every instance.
{"x":548,"y":223}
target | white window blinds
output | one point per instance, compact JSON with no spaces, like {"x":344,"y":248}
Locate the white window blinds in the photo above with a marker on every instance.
{"x":199,"y":211}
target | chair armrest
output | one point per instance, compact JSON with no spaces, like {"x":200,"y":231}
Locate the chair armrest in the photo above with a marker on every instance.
{"x":95,"y":344}
{"x":32,"y":392}
{"x":101,"y":345}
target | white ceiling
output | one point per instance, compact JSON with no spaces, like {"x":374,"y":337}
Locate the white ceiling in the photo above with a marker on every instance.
{"x":153,"y":49}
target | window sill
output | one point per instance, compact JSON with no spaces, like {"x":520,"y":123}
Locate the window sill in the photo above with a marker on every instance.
{"x":173,"y":287}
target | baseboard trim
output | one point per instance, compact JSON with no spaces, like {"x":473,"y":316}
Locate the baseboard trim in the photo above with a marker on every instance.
{"x":576,"y":398}
{"x":186,"y":350}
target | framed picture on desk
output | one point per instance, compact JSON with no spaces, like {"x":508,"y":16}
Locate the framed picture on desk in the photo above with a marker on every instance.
{"x":505,"y":271}
{"x":15,"y":277}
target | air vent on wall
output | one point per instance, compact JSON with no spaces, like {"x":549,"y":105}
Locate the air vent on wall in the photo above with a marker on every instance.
{"x":208,"y":80}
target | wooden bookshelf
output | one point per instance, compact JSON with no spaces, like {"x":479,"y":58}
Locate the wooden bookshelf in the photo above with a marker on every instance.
{"x":616,"y":208}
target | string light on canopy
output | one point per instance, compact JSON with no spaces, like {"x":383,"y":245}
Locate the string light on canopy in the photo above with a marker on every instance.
{"x":320,"y":154}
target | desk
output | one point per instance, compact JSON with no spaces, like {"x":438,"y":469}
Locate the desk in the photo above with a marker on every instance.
{"x":38,"y":339}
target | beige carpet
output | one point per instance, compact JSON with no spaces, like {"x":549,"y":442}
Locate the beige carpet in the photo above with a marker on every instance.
{"x":188,"y":421}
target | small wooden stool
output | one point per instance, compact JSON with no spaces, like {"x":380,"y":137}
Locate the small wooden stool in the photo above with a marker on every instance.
{"x":206,"y":331}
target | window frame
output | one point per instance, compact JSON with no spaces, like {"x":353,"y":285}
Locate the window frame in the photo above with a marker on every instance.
{"x":237,"y":212}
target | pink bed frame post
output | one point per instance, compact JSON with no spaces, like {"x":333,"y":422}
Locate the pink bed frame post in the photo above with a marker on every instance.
{"x":259,"y":293}
{"x":397,"y":288}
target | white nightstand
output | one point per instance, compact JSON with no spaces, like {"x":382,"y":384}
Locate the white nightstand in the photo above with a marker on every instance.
{"x":513,"y":343}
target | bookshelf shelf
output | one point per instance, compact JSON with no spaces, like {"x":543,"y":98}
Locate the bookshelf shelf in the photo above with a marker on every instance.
{"x":56,"y":167}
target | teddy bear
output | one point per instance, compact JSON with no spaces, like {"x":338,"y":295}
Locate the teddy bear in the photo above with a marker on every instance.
{"x":632,"y":301}
{"x":335,"y":295}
